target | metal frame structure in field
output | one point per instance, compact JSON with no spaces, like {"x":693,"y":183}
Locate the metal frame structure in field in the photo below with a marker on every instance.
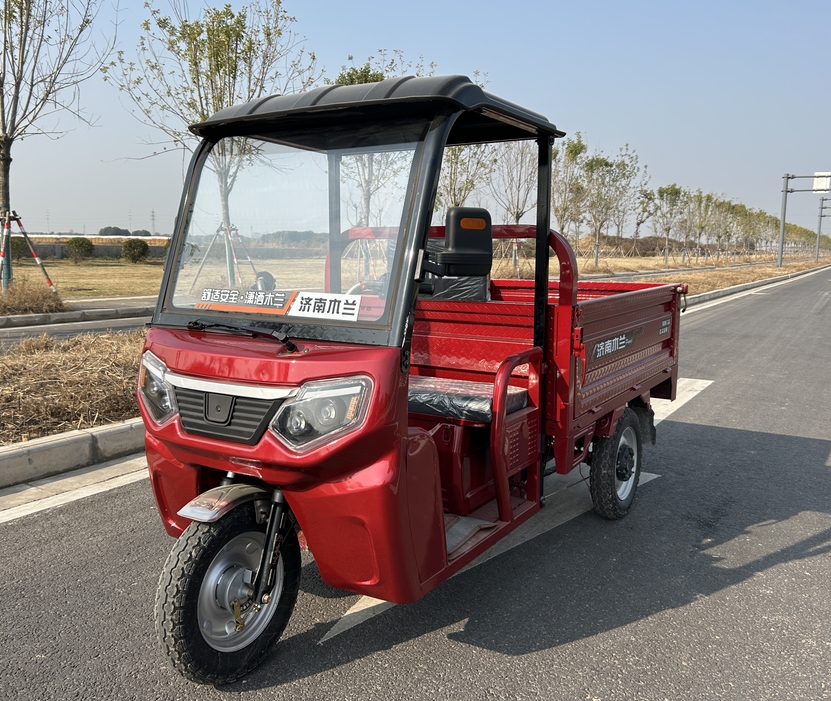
{"x":5,"y":251}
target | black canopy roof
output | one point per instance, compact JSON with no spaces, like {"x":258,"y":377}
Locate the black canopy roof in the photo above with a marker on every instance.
{"x":485,"y":117}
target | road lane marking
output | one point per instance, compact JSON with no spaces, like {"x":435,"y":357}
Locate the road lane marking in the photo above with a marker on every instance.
{"x":565,"y":500}
{"x":685,"y":390}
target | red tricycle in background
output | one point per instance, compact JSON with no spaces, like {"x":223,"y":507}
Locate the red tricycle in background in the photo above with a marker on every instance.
{"x":323,"y":359}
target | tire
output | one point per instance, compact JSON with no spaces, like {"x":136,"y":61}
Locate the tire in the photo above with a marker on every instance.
{"x":205,"y":568}
{"x":616,"y":468}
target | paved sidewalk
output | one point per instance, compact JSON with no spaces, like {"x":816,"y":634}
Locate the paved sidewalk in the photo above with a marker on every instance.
{"x":39,"y":495}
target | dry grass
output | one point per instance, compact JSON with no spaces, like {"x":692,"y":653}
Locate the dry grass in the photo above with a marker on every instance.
{"x":26,"y":296}
{"x":105,"y":278}
{"x":720,"y":279}
{"x":505,"y":268}
{"x":49,"y":386}
{"x":98,"y":277}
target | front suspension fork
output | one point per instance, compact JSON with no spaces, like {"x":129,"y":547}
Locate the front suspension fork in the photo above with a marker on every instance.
{"x":270,"y":556}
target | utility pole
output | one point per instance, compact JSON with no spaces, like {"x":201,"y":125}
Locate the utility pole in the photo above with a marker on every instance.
{"x":822,"y":207}
{"x":785,"y":179}
{"x":152,"y":222}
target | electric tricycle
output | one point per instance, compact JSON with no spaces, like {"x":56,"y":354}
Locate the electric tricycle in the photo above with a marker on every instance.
{"x":330,"y":362}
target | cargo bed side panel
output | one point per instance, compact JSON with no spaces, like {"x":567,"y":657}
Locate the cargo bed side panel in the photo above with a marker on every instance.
{"x":630,"y":344}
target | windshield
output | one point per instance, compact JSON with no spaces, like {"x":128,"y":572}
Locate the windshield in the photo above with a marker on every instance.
{"x":297,"y":233}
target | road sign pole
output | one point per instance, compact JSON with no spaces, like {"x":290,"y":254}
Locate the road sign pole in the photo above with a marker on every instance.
{"x":785,"y":179}
{"x":819,"y":226}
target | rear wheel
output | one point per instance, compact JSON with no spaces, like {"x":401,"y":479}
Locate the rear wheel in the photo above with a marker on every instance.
{"x":616,"y":468}
{"x":206,"y":619}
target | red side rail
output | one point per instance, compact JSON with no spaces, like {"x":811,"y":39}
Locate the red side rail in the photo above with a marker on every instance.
{"x":499,"y":445}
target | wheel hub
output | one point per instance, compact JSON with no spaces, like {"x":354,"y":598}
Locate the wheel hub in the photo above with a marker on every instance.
{"x":228,"y":617}
{"x":234,"y":585}
{"x":625,"y":466}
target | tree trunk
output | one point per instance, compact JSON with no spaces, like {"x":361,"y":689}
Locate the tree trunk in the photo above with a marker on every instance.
{"x":224,"y":195}
{"x":5,"y":168}
{"x":5,"y":200}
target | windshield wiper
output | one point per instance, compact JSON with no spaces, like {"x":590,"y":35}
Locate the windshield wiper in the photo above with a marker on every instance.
{"x":203,"y":325}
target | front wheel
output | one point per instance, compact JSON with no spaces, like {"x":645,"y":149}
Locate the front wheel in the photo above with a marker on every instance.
{"x":616,"y":468}
{"x":206,"y":619}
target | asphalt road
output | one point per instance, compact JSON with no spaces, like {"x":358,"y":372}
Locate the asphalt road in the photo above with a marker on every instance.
{"x":716,"y":586}
{"x":62,"y":331}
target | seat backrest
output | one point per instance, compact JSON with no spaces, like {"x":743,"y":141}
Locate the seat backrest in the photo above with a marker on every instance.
{"x":468,"y":243}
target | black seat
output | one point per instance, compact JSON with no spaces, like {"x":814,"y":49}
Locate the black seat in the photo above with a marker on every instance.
{"x":459,"y":399}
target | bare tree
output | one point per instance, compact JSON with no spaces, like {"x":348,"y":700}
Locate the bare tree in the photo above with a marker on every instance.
{"x":514,"y":181}
{"x":625,"y":189}
{"x":464,"y":168}
{"x":600,"y":194}
{"x":370,"y":173}
{"x":567,"y":182}
{"x":669,"y":207}
{"x":644,"y":210}
{"x":720,"y":221}
{"x":700,"y":208}
{"x":48,"y":51}
{"x":188,"y":69}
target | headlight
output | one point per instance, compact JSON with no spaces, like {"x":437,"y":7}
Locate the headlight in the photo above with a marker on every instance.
{"x":157,"y":394}
{"x":322,"y":410}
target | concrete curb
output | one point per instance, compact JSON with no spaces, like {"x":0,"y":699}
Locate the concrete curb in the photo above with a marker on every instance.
{"x":80,"y":315}
{"x":43,"y":457}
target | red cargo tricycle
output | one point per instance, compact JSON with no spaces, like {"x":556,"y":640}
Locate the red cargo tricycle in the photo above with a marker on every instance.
{"x":327,"y":359}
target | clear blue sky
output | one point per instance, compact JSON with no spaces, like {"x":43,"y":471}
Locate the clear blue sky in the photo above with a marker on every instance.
{"x":723,"y":96}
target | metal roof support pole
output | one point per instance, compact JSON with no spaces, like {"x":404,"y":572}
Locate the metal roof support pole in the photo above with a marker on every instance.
{"x":335,"y":243}
{"x":544,"y":141}
{"x":542,"y":255}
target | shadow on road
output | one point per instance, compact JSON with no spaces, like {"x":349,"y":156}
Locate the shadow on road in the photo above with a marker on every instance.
{"x":729,"y":504}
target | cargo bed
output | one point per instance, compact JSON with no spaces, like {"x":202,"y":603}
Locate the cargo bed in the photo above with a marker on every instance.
{"x":609,"y":345}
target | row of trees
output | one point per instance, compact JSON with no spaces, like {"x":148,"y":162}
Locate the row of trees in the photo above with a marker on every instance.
{"x":611,"y":197}
{"x":606,"y":198}
{"x":118,"y":231}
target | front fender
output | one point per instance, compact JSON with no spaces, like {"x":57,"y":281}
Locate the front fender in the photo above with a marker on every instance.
{"x":212,"y":505}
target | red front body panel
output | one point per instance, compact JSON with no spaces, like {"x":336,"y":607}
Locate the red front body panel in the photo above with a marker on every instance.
{"x":369,"y":502}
